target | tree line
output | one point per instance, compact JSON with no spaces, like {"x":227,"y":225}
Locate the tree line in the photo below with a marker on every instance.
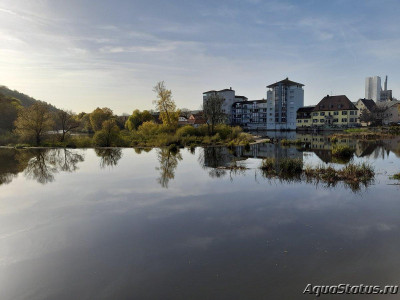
{"x":37,"y":122}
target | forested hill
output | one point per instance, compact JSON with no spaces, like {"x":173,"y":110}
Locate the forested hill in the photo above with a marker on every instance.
{"x":24,"y":99}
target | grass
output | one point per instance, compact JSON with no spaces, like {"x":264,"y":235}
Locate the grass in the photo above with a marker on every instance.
{"x":353,"y":174}
{"x":396,"y":176}
{"x":285,"y":142}
{"x":342,"y":151}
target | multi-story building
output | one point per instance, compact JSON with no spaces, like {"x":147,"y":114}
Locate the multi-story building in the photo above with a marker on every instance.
{"x":229,"y":98}
{"x":335,"y":111}
{"x":250,"y":114}
{"x":373,"y":88}
{"x":284,"y":98}
{"x":304,"y":118}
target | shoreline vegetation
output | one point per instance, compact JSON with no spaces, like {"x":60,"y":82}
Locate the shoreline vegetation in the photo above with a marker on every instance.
{"x":353,"y":174}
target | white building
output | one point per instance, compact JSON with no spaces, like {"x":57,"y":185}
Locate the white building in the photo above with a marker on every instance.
{"x":373,"y":88}
{"x":284,"y":98}
{"x":230,"y":98}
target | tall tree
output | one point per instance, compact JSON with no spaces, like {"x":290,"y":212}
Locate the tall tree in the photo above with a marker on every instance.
{"x":98,"y":116}
{"x":34,"y":122}
{"x":138,"y":118}
{"x":8,"y":112}
{"x":109,"y":134}
{"x":212,"y":110}
{"x":165,"y":104}
{"x":66,"y":121}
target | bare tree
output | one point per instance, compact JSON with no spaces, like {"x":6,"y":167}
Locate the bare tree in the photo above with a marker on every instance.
{"x":212,"y":110}
{"x":66,"y":121}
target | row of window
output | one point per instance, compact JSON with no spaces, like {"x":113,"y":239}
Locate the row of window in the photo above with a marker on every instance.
{"x":336,"y":113}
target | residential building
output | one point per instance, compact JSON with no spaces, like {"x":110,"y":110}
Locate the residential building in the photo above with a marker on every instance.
{"x":373,"y":88}
{"x":391,"y":114}
{"x":335,"y":111}
{"x":197,"y":119}
{"x":229,"y":98}
{"x":367,"y":105}
{"x":304,"y":116}
{"x":250,"y":114}
{"x":284,"y":98}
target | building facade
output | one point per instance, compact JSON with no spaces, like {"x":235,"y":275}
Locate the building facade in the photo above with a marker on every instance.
{"x":304,"y":117}
{"x":229,"y":98}
{"x":284,"y":98}
{"x":250,"y":114}
{"x":335,"y":111}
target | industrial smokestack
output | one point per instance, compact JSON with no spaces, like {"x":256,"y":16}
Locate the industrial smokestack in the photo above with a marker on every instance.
{"x":386,"y":83}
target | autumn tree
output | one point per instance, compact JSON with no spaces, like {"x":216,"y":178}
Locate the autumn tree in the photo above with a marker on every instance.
{"x":98,"y":116}
{"x":108,"y":135}
{"x":138,"y":118}
{"x":212,"y":110}
{"x":34,"y":122}
{"x":66,"y":121}
{"x":166,"y":105}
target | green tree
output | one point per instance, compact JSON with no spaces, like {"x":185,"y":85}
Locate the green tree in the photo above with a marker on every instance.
{"x":108,"y":135}
{"x":8,"y":112}
{"x":66,"y":121}
{"x":213,"y":113}
{"x":138,"y":118}
{"x":34,"y":122}
{"x":166,"y":105}
{"x":98,"y":116}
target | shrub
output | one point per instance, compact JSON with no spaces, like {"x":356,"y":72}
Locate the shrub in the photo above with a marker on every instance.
{"x":108,"y":136}
{"x":148,"y":128}
{"x":186,"y":130}
{"x":342,"y":151}
{"x":396,"y":176}
{"x":223,"y":130}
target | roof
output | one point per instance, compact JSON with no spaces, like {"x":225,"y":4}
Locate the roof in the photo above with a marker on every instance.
{"x":369,"y":104}
{"x":388,"y":103}
{"x":306,"y":109}
{"x":243,"y":97}
{"x":285,"y":81}
{"x":224,"y":90}
{"x":340,"y":102}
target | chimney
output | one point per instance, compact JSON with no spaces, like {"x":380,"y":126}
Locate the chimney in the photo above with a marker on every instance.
{"x":386,"y":83}
{"x":230,"y":88}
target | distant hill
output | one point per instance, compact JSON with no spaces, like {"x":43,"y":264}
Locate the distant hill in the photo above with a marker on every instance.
{"x":24,"y":99}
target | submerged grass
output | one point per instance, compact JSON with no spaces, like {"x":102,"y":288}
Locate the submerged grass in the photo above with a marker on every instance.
{"x":396,"y":176}
{"x":353,"y":174}
{"x":342,"y":151}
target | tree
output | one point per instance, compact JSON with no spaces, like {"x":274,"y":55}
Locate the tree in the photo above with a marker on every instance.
{"x":98,"y":116}
{"x":108,"y":135}
{"x":138,"y":118}
{"x":66,"y":121}
{"x":84,"y":120}
{"x":212,"y":110}
{"x":34,"y":122}
{"x":366,"y":116}
{"x":165,"y":105}
{"x":8,"y":112}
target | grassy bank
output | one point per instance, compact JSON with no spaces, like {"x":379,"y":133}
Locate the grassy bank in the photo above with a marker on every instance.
{"x":148,"y":135}
{"x":373,"y":133}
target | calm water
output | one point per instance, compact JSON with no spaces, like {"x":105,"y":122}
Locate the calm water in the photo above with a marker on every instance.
{"x":131,"y":224}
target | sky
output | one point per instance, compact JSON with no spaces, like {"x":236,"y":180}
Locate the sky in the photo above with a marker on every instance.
{"x":79,"y":55}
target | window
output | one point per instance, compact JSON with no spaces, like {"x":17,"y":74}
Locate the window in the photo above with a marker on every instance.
{"x":315,"y":114}
{"x":305,"y":121}
{"x":335,"y":113}
{"x":344,"y":113}
{"x":335,"y":120}
{"x":351,"y":113}
{"x":344,"y":120}
{"x":315,"y":121}
{"x":298,"y":121}
{"x":322,"y":113}
{"x":351,"y":120}
{"x":321,"y":120}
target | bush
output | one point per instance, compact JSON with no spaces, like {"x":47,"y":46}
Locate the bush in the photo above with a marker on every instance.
{"x":187,"y":130}
{"x":396,"y":176}
{"x":148,"y":128}
{"x":342,"y":151}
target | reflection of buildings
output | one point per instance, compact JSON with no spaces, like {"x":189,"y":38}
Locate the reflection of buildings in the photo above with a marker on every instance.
{"x":269,"y":150}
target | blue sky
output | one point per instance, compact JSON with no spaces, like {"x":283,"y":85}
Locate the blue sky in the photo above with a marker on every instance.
{"x":82,"y":54}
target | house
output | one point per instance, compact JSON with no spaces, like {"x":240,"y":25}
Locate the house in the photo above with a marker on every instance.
{"x":182,"y":120}
{"x":197,"y":119}
{"x":365,"y":105}
{"x":335,"y":111}
{"x":250,"y":114}
{"x":303,"y":116}
{"x":390,"y":112}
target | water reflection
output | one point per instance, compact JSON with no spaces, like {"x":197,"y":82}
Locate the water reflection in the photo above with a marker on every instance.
{"x":109,"y":156}
{"x":168,"y":162}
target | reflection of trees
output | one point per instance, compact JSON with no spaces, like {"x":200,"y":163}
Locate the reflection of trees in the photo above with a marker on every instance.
{"x":168,"y":160}
{"x":109,"y":156}
{"x":37,"y":164}
{"x":217,"y":159}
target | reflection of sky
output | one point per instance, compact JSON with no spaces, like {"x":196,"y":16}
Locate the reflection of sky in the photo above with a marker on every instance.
{"x":115,"y":232}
